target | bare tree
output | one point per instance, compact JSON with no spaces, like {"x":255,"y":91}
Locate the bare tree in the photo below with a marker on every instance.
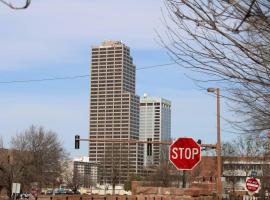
{"x":246,"y":145}
{"x":128,"y":183}
{"x":14,"y":165}
{"x":229,"y":41}
{"x":228,"y":149}
{"x":12,"y":6}
{"x":44,"y":152}
{"x":112,"y":164}
{"x":76,"y":180}
{"x":67,"y":173}
{"x":164,"y":174}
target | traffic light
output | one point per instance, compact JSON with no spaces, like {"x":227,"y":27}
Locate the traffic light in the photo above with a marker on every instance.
{"x":199,"y":141}
{"x":149,"y":147}
{"x":77,"y":141}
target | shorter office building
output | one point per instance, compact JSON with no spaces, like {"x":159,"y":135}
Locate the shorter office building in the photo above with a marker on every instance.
{"x":155,"y":125}
{"x":84,"y":172}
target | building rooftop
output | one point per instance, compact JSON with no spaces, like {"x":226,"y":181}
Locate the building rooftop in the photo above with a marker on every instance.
{"x":82,"y":159}
{"x":148,"y":99}
{"x":111,"y":43}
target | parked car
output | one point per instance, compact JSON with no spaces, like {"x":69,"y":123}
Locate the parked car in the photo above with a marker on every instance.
{"x":88,"y":193}
{"x":69,"y":191}
{"x":77,"y":192}
{"x":57,"y":192}
{"x":60,"y":191}
{"x":49,"y":192}
{"x":25,"y":195}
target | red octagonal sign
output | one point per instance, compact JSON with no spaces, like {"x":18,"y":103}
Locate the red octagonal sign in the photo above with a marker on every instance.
{"x":185,"y":153}
{"x":252,"y":184}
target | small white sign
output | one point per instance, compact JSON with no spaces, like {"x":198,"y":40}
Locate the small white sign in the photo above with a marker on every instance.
{"x":16,"y":188}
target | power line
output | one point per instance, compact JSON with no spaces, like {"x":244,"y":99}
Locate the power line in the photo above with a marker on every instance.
{"x":155,"y":66}
{"x":45,"y":79}
{"x":74,"y":77}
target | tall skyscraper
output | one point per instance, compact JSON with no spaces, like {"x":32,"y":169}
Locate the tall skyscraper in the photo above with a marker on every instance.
{"x":155,"y":125}
{"x":114,"y":113}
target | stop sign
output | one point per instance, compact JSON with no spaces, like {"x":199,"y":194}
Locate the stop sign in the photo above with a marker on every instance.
{"x":185,"y":153}
{"x":252,"y":184}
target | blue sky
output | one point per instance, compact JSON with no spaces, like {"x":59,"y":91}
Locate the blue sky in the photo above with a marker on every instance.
{"x":54,"y":38}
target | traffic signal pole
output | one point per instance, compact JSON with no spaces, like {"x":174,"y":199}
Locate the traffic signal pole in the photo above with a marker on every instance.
{"x":118,"y":141}
{"x":139,"y":142}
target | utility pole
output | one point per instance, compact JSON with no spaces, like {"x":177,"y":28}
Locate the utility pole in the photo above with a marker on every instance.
{"x":218,"y":144}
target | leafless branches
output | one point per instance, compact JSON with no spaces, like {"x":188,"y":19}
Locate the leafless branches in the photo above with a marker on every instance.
{"x":13,"y":167}
{"x":246,"y":146}
{"x":10,"y":5}
{"x":36,"y":156}
{"x":229,"y":41}
{"x":47,"y":153}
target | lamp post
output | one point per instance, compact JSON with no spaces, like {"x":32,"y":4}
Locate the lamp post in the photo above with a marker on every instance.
{"x":218,"y":145}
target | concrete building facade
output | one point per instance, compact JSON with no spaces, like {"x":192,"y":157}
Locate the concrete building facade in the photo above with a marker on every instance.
{"x":114,"y":113}
{"x":155,"y":125}
{"x":84,"y":172}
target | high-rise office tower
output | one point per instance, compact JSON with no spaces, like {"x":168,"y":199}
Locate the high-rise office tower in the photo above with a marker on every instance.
{"x":114,"y":113}
{"x":155,"y":125}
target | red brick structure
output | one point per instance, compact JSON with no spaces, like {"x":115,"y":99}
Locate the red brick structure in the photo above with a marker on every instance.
{"x":123,"y":197}
{"x":205,"y":171}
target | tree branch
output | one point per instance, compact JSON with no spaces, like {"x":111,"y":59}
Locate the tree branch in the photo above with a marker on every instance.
{"x":10,"y":5}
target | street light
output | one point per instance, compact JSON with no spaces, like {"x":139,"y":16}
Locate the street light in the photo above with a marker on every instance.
{"x":218,"y":145}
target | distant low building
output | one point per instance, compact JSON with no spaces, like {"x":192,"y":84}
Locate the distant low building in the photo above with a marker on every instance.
{"x":235,"y":170}
{"x":84,"y":172}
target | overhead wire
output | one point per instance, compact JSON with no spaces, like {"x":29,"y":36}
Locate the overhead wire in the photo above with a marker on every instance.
{"x":75,"y":76}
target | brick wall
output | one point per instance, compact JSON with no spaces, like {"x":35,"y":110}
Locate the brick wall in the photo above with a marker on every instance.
{"x":125,"y":197}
